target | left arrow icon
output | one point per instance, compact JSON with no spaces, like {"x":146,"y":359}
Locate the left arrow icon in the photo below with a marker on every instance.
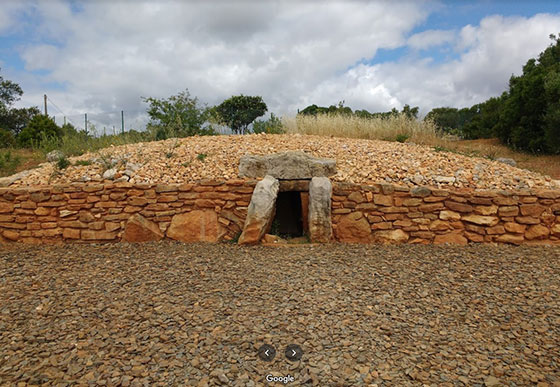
{"x":267,"y":352}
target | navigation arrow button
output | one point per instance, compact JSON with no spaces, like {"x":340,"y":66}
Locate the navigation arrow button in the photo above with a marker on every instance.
{"x":267,"y":352}
{"x":293,"y":352}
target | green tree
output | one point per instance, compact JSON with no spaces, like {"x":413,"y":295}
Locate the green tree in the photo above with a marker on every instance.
{"x":273,"y":125}
{"x":239,"y":111}
{"x":445,"y":118}
{"x":177,"y":116}
{"x":40,"y":128}
{"x":410,"y":112}
{"x":13,"y":119}
{"x":530,"y":115}
{"x":7,"y":139}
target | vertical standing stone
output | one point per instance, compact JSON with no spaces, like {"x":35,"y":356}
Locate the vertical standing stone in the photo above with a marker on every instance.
{"x":261,"y":211}
{"x":320,"y":192}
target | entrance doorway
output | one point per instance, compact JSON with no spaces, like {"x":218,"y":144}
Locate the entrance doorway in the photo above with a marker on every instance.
{"x":288,"y":221}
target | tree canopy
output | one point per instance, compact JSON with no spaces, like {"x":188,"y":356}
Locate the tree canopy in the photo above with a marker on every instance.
{"x":340,"y":109}
{"x":239,"y":111}
{"x":177,"y":116}
{"x":12,"y":119}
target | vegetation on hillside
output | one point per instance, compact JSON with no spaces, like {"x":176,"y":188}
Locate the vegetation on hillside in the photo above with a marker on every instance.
{"x":525,"y":117}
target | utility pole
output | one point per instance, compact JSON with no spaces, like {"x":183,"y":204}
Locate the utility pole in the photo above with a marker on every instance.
{"x":86,"y":122}
{"x":45,"y":98}
{"x":122,"y":121}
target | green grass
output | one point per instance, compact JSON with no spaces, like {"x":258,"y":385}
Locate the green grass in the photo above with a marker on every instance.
{"x":201,"y":156}
{"x":82,"y":163}
{"x":8,"y":163}
{"x":63,"y":163}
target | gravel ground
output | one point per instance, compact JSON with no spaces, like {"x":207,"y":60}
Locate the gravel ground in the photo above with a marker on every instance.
{"x":185,"y":160}
{"x":195,"y":314}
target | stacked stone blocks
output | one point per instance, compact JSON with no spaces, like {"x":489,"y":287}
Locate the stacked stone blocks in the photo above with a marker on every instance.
{"x":216,"y":211}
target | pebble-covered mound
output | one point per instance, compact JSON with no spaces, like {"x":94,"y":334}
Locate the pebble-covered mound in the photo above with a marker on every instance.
{"x":358,"y":161}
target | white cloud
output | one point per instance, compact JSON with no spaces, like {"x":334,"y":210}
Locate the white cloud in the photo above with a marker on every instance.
{"x":488,"y":54}
{"x":109,"y":54}
{"x":430,"y":38}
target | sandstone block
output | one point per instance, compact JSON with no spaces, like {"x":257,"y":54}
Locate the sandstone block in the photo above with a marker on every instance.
{"x":390,"y":237}
{"x":140,"y":229}
{"x":508,"y":211}
{"x":527,"y":220}
{"x":474,"y":237}
{"x":10,"y":235}
{"x":451,"y":238}
{"x":356,"y":197}
{"x":382,"y":200}
{"x":353,"y":228}
{"x":319,"y":213}
{"x":194,"y":226}
{"x":556,"y":229}
{"x":70,"y":233}
{"x":394,"y":210}
{"x":6,"y":207}
{"x":486,"y":210}
{"x":458,"y":207}
{"x":515,"y":227}
{"x":537,"y":231}
{"x":382,"y":226}
{"x":412,"y":202}
{"x":505,"y":201}
{"x":432,"y":207}
{"x":98,"y":235}
{"x":261,"y":210}
{"x":548,"y":194}
{"x":509,"y":238}
{"x":496,"y":230}
{"x":449,"y":215}
{"x":531,"y":210}
{"x":420,"y":191}
{"x":480,"y":219}
{"x":439,"y":225}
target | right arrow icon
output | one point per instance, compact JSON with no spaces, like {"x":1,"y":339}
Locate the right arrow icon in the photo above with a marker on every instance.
{"x":293,"y":352}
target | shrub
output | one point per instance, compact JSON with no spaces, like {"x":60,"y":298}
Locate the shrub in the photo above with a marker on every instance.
{"x":7,"y":139}
{"x":402,"y":137}
{"x":271,"y":126}
{"x":38,"y":130}
{"x":201,"y":156}
{"x":8,"y":163}
{"x":62,"y":163}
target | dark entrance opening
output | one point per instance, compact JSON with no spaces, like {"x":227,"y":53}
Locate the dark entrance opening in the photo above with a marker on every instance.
{"x":288,"y":221}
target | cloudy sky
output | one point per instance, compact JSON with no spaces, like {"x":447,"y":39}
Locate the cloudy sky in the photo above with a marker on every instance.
{"x":99,"y":57}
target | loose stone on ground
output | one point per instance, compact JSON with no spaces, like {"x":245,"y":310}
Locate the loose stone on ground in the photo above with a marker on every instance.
{"x":170,"y":313}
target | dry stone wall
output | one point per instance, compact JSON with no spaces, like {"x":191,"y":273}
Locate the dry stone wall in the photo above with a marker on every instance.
{"x":208,"y":211}
{"x":216,"y":210}
{"x":390,"y":214}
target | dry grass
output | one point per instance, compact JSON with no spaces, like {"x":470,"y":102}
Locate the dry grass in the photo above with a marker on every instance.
{"x":389,"y":129}
{"x":23,"y":159}
{"x":493,"y":149}
{"x":419,"y":132}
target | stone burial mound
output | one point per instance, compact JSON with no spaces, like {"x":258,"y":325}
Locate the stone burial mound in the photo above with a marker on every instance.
{"x":268,"y":188}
